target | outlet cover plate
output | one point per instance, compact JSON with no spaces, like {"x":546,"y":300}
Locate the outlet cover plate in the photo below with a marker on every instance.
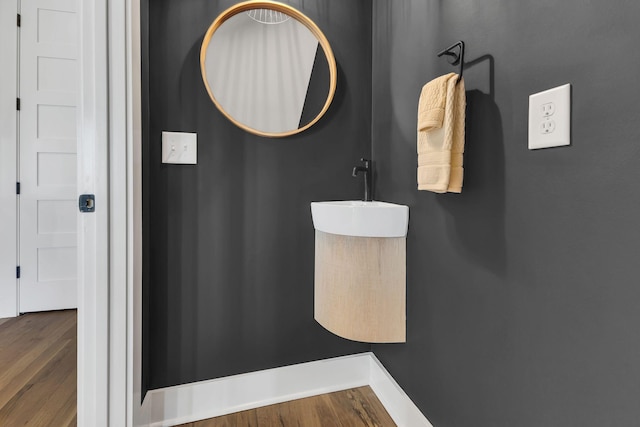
{"x":550,"y":118}
{"x":179,"y":148}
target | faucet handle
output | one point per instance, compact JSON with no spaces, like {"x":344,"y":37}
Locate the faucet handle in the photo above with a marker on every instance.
{"x":368,"y":173}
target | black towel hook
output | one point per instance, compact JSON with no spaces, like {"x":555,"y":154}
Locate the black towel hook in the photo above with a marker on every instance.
{"x":458,"y":58}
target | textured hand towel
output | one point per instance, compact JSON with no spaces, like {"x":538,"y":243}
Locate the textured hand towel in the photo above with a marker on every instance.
{"x":440,"y":147}
{"x":432,"y":103}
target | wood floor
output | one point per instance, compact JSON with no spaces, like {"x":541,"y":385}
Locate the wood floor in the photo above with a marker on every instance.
{"x":357,"y":407}
{"x":38,"y":385}
{"x":38,"y":370}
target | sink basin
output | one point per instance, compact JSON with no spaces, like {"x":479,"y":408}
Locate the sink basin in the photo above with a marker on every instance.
{"x":360,"y":219}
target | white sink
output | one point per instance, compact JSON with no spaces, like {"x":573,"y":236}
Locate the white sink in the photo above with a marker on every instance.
{"x":361,"y":219}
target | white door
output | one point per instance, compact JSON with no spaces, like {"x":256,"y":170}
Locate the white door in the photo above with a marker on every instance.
{"x":47,"y":155}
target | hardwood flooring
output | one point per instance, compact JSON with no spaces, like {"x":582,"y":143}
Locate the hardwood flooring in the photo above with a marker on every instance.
{"x":38,"y":369}
{"x":357,"y":407}
{"x":38,"y":385}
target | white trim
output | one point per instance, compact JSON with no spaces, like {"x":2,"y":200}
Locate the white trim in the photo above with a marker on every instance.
{"x":124,"y":403}
{"x":401,"y":408}
{"x":136,"y":413}
{"x":119,"y":174}
{"x":105,"y":162}
{"x":206,"y":399}
{"x":196,"y":401}
{"x":8,"y":158}
{"x":93,"y":228}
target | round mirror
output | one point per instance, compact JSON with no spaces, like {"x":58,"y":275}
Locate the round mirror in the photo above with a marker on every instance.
{"x":268,"y":68}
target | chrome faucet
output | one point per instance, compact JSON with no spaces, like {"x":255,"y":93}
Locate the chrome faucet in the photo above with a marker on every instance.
{"x":367,"y":169}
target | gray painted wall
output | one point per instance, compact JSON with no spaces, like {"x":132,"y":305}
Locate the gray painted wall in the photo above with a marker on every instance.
{"x":523,"y":291}
{"x":228,"y":255}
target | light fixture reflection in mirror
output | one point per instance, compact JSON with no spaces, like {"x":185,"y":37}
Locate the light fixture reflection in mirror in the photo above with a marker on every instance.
{"x":268,"y":68}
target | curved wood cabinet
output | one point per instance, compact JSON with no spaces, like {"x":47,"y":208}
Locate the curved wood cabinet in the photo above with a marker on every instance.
{"x":360,"y":287}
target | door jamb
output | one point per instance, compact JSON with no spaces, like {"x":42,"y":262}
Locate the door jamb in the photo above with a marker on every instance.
{"x":109,"y":166}
{"x":93,"y":228}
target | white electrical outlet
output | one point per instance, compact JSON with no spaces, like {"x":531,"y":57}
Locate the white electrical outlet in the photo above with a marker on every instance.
{"x":550,"y":118}
{"x":548,"y":109}
{"x":179,"y":147}
{"x":547,"y":126}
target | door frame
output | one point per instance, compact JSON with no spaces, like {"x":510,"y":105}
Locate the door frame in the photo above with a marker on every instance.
{"x":93,"y":228}
{"x":109,"y":166}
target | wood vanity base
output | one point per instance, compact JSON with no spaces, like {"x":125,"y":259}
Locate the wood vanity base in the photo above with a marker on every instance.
{"x":360,"y":287}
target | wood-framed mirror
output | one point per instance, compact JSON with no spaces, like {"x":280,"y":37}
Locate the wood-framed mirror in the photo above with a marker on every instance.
{"x":268,"y":68}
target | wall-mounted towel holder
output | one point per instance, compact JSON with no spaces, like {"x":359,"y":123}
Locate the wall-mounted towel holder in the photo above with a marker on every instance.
{"x":458,"y":58}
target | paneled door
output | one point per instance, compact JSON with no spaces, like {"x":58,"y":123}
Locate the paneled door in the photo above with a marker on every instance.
{"x":47,"y":154}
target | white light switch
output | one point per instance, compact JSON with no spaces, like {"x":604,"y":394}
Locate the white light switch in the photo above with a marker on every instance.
{"x":179,"y":147}
{"x":550,"y":118}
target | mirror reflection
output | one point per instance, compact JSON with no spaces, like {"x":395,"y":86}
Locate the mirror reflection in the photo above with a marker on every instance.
{"x":271,"y":73}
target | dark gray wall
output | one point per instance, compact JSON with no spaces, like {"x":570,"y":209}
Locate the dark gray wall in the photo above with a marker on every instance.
{"x":228,"y":255}
{"x":523,"y":291}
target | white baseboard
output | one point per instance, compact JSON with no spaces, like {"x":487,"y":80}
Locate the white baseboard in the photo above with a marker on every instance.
{"x":401,"y":408}
{"x":206,"y":399}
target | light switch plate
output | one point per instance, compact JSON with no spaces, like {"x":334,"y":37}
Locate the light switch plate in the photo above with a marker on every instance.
{"x":550,"y":118}
{"x":180,"y":148}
